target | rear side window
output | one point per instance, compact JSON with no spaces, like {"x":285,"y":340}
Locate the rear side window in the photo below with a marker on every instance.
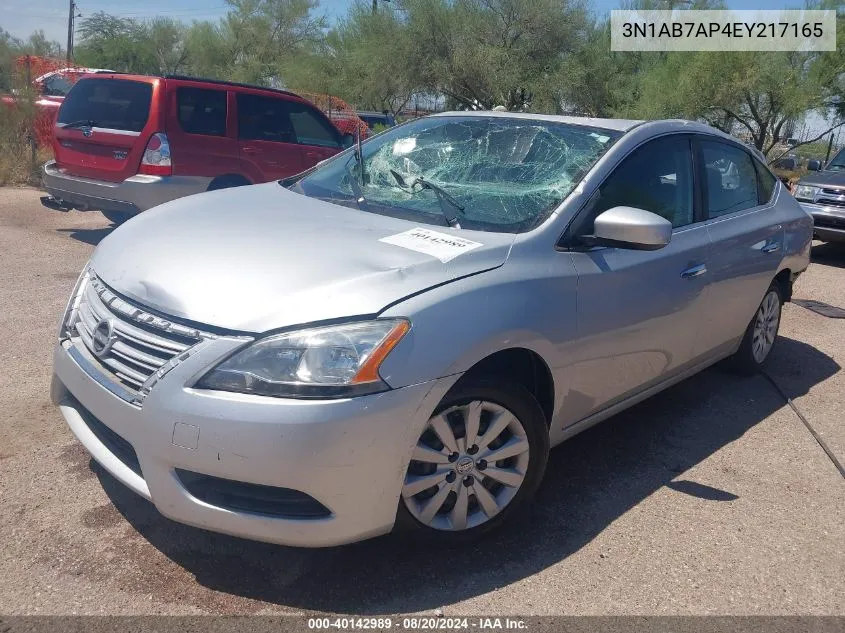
{"x":310,"y":128}
{"x":765,"y":183}
{"x":202,"y":111}
{"x":264,"y":119}
{"x":115,"y":104}
{"x":729,"y":177}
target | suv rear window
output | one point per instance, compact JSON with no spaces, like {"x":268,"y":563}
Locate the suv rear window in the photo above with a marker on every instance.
{"x":116,"y":104}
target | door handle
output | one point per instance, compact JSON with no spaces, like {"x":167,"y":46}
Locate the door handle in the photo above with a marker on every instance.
{"x":771,"y":248}
{"x":248,"y":150}
{"x":694,"y":271}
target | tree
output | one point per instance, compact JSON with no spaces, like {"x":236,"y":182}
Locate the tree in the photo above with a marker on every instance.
{"x":757,"y":95}
{"x":483,"y":53}
{"x":362,"y":60}
{"x":260,"y":36}
{"x":121,"y":44}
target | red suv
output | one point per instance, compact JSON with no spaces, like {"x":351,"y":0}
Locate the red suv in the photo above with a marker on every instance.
{"x":125,"y":143}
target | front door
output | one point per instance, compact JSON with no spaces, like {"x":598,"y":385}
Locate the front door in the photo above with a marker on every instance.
{"x":637,"y":310}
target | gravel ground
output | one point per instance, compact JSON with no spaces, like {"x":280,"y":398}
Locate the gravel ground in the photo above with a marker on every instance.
{"x":711,"y":498}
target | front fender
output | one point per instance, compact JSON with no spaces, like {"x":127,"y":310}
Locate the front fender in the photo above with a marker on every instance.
{"x":459,"y":324}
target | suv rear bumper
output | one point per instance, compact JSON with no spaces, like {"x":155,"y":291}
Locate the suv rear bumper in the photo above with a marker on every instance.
{"x":133,"y":195}
{"x":828,"y":221}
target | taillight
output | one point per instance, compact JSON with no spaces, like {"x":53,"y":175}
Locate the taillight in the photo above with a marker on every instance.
{"x":156,"y":160}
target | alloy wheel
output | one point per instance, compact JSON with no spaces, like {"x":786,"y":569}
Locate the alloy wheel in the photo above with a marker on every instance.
{"x":765,"y":326}
{"x":467,"y":466}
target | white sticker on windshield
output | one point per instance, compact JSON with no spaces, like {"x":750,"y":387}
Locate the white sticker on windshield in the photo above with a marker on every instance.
{"x":440,"y":245}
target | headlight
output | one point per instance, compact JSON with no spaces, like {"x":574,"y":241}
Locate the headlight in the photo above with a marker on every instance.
{"x":805,"y":192}
{"x":324,"y":362}
{"x":69,"y":315}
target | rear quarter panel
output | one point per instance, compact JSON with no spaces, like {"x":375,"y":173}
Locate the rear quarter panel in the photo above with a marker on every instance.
{"x":798,"y":232}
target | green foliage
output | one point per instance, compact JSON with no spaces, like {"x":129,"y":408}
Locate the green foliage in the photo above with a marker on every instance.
{"x":525,"y":55}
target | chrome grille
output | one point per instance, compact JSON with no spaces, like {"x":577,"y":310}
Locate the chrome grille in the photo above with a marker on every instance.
{"x":831,"y":197}
{"x":141,"y":347}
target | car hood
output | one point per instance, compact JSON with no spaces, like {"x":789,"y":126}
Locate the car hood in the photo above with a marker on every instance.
{"x":824,"y":179}
{"x":258,"y":258}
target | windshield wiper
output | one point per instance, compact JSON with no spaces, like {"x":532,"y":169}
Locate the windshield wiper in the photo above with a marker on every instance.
{"x":80,"y":123}
{"x":356,"y":186}
{"x":443,"y":196}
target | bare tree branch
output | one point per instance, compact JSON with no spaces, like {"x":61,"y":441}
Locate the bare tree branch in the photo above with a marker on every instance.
{"x":807,"y":142}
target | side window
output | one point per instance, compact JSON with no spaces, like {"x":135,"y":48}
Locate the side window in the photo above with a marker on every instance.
{"x":765,"y":182}
{"x":202,"y":111}
{"x":311,"y":129}
{"x":264,"y":119}
{"x":730,"y":180}
{"x":657,"y":177}
{"x":57,"y":86}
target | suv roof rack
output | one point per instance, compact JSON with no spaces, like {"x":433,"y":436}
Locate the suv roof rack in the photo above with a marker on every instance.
{"x":236,"y":84}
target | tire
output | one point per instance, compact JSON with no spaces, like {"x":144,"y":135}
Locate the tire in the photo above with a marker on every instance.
{"x":117,"y":217}
{"x":492,"y":398}
{"x":227,"y":182}
{"x":751,"y":357}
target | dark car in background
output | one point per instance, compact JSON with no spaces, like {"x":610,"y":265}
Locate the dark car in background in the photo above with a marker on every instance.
{"x":377,"y":119}
{"x":822,"y":194}
{"x":126,"y":143}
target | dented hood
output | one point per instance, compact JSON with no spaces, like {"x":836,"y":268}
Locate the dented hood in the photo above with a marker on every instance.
{"x":258,"y":258}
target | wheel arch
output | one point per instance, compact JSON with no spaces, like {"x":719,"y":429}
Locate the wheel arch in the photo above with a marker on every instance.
{"x":525,"y":367}
{"x":224,"y":181}
{"x":784,"y":281}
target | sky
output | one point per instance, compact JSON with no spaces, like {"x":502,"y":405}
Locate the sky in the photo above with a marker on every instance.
{"x":22,"y":17}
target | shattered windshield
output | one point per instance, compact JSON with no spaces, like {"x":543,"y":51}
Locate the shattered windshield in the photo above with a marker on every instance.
{"x":502,"y":174}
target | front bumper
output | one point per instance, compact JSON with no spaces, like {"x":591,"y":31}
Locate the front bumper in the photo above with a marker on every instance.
{"x":828,"y":221}
{"x":349,"y":455}
{"x":133,"y":195}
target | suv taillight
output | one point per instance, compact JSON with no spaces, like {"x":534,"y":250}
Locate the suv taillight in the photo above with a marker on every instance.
{"x":156,"y":160}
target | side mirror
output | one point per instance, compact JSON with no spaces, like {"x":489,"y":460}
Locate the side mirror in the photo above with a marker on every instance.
{"x":814,"y":165}
{"x":632,"y":228}
{"x":347,"y":140}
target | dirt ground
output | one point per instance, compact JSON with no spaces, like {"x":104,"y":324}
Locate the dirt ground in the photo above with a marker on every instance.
{"x":709,"y":498}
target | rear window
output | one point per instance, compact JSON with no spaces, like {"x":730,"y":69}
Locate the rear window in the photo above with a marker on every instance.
{"x":202,"y":111}
{"x":116,"y":104}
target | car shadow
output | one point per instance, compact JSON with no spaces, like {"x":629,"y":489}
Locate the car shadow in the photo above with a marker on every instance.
{"x":88,"y":236}
{"x":591,"y":481}
{"x":829,"y":254}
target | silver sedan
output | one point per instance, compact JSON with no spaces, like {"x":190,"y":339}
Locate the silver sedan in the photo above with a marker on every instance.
{"x":399,"y":335}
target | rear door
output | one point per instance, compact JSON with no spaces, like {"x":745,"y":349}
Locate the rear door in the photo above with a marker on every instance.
{"x":200,"y":130}
{"x":103,"y":126}
{"x":747,"y":239}
{"x":266,"y":138}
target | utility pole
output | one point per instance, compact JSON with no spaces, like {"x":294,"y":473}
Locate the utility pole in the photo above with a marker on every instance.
{"x":829,"y":148}
{"x":70,"y":17}
{"x":375,"y":6}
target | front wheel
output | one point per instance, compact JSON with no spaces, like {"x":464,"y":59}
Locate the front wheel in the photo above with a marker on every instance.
{"x":761,"y":333}
{"x":479,"y":459}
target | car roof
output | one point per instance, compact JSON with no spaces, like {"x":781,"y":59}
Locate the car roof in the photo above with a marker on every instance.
{"x":372,"y":113}
{"x":620,"y":125}
{"x":110,"y":74}
{"x":655,"y":127}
